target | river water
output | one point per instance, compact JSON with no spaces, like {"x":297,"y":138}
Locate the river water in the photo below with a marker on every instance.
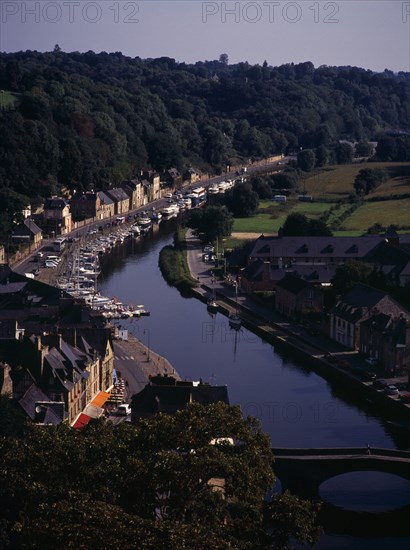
{"x":295,"y":406}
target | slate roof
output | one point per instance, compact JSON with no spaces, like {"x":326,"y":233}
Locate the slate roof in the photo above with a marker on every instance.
{"x":312,"y":273}
{"x":171,"y":398}
{"x":292,"y":284}
{"x":51,"y":412}
{"x":104,"y":198}
{"x":393,"y":329}
{"x":55,"y":203}
{"x":117,"y":194}
{"x":360,"y":300}
{"x":314,"y":247}
{"x":87,"y":196}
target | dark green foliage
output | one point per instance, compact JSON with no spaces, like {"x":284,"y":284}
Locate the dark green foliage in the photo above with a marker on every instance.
{"x":147,"y":486}
{"x":87,"y":119}
{"x":349,"y":274}
{"x":393,"y":148}
{"x":211,"y":222}
{"x":306,"y":160}
{"x":363,"y":149}
{"x":261,"y":186}
{"x":343,"y":153}
{"x":368,"y":179}
{"x":242,"y":200}
{"x":297,"y":225}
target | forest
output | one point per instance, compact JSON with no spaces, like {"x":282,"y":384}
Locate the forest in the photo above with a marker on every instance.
{"x":89,"y":120}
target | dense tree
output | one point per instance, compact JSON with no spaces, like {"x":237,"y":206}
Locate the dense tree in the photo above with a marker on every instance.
{"x":363,"y":149}
{"x":368,"y":179}
{"x":288,"y":179}
{"x":343,"y":153}
{"x":150,"y":486}
{"x":83,"y":118}
{"x":261,"y":186}
{"x":211,"y":222}
{"x":297,"y":224}
{"x":349,"y":274}
{"x":242,"y":200}
{"x":306,"y":160}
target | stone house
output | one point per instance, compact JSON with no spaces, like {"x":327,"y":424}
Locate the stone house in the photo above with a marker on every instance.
{"x":107,"y":207}
{"x":151,"y":184}
{"x":296,"y":297}
{"x":387,"y":338}
{"x":135,"y":191}
{"x":264,"y":276}
{"x":356,"y":306}
{"x":63,"y":373}
{"x":86,"y":205}
{"x":27,"y":232}
{"x":172,"y":177}
{"x":120,"y":199}
{"x":56,"y":216}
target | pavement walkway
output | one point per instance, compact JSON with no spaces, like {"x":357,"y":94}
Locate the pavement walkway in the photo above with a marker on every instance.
{"x":135,"y":363}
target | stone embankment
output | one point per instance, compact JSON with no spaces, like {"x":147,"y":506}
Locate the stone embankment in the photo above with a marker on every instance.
{"x":289,"y":337}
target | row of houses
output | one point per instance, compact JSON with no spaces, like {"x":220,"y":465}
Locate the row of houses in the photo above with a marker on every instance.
{"x":60,"y":216}
{"x":299,"y":269}
{"x":365,"y":319}
{"x":264,"y":262}
{"x":56,"y":359}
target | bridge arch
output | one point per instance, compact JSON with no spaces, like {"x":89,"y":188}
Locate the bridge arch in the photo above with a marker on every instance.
{"x":302,"y":471}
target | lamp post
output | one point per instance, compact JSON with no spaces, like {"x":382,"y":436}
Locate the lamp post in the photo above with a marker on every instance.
{"x":146,"y":330}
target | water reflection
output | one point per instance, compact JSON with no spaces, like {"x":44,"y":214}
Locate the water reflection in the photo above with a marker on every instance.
{"x":366,"y":491}
{"x":296,"y":407}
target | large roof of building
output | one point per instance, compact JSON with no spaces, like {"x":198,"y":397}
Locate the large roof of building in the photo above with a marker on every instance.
{"x":314,"y":247}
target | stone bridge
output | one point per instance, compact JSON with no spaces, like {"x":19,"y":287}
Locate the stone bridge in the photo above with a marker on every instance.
{"x":302,"y":471}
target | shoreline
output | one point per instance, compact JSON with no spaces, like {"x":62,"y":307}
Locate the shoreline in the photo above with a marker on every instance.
{"x":288,"y":336}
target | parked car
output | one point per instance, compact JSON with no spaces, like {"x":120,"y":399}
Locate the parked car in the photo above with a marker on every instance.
{"x":50,"y":263}
{"x":364,"y":375}
{"x":124,"y":409}
{"x":380,"y":384}
{"x":391,"y":390}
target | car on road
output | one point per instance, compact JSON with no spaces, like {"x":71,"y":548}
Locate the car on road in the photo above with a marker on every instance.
{"x":124,"y":409}
{"x":364,"y":375}
{"x":391,"y":390}
{"x":380,"y":384}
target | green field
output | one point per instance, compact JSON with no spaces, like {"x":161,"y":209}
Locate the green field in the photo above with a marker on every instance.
{"x":383,"y":212}
{"x":336,"y":182}
{"x":334,"y":185}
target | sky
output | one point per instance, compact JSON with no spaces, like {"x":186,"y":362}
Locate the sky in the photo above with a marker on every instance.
{"x":372,"y":34}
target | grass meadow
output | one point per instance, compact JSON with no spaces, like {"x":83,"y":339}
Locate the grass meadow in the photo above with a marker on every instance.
{"x":333,"y":186}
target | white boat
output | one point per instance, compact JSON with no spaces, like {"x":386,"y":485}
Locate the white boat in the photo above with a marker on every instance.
{"x":135,"y":229}
{"x":213,"y":189}
{"x":144,"y":223}
{"x":170,"y":211}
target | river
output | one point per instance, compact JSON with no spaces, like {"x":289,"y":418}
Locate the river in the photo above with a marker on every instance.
{"x":295,"y":406}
